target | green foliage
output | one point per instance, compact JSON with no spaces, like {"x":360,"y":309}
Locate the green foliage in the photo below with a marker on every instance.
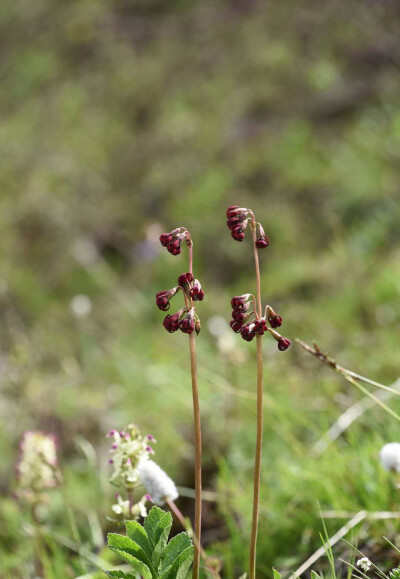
{"x":147,"y":550}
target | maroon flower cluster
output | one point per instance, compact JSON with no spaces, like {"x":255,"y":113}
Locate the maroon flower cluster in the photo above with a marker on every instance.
{"x":173,"y":240}
{"x":186,"y":318}
{"x":238,"y":219}
{"x":248,"y":328}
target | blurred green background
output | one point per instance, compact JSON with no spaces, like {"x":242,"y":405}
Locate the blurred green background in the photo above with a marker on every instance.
{"x":123,"y":119}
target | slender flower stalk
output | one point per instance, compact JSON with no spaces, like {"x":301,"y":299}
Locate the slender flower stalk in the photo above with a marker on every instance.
{"x":260,"y":419}
{"x":238,"y":219}
{"x":188,"y":322}
{"x":186,"y":525}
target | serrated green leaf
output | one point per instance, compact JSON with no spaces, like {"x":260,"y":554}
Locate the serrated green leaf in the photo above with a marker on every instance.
{"x":151,"y":523}
{"x":136,"y":532}
{"x":161,"y":538}
{"x":120,"y":575}
{"x":180,"y":567}
{"x":139,"y":566}
{"x":174,"y":548}
{"x":276,"y":573}
{"x":132,"y":554}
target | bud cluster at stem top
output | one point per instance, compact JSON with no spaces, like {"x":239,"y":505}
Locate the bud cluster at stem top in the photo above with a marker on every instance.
{"x":238,"y":219}
{"x":186,"y":318}
{"x":173,"y":240}
{"x":246,"y":322}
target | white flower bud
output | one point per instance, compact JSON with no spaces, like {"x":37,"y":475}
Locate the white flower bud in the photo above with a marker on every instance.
{"x":157,"y":483}
{"x":390,"y":456}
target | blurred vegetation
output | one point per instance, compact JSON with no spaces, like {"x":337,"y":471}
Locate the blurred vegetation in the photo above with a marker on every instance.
{"x":124,"y":119}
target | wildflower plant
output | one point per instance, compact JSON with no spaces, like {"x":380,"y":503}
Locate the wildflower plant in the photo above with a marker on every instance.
{"x":147,"y":549}
{"x":251,"y":320}
{"x":37,"y":468}
{"x":129,"y":449}
{"x":187,"y":321}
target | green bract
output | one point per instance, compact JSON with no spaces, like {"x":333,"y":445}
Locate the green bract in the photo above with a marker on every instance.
{"x":147,"y":550}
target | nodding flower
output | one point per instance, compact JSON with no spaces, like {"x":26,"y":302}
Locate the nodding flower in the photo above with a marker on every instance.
{"x":238,"y":219}
{"x":173,"y":240}
{"x":163,"y":298}
{"x":187,"y":324}
{"x":262,"y":240}
{"x":171,"y":323}
{"x":275,"y":321}
{"x":283,"y":344}
{"x":185,"y":279}
{"x":195,"y":292}
{"x":246,"y":322}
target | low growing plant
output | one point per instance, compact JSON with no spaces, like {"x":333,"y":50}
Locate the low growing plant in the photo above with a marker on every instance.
{"x":147,"y":549}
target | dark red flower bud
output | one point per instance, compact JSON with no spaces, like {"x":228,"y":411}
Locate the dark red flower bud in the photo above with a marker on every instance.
{"x":239,"y":316}
{"x":171,"y":323}
{"x":185,"y":278}
{"x":238,"y":302}
{"x":260,"y":326}
{"x":231,"y":208}
{"x":162,"y":301}
{"x":262,"y":242}
{"x":248,"y":332}
{"x":283,"y":344}
{"x":174,"y":247}
{"x":237,"y":233}
{"x":165,"y":238}
{"x":236,"y":326}
{"x":196,"y":293}
{"x":275,"y":321}
{"x":187,"y":325}
{"x":236,"y":220}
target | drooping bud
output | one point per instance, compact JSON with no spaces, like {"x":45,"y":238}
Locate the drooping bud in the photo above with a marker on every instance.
{"x":172,"y":240}
{"x":238,"y":233}
{"x":248,"y":332}
{"x":275,"y":321}
{"x":260,"y":326}
{"x":262,"y":241}
{"x":239,"y":302}
{"x":185,"y":278}
{"x":162,"y":298}
{"x":196,"y":293}
{"x":171,"y":323}
{"x":236,"y":326}
{"x":283,"y":344}
{"x":187,"y":324}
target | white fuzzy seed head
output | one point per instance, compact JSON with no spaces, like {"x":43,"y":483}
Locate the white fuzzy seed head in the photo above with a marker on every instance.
{"x":390,"y":456}
{"x":157,"y":483}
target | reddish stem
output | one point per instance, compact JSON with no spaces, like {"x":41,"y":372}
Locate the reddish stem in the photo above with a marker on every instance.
{"x":259,"y":439}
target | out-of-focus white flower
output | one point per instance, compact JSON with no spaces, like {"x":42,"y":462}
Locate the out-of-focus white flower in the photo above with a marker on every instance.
{"x":81,"y":306}
{"x":390,"y":456}
{"x":157,"y":483}
{"x":37,"y":467}
{"x":130,"y":446}
{"x":121,"y":508}
{"x":364,"y":563}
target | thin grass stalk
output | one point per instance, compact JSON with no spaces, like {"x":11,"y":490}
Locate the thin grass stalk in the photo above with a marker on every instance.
{"x":260,"y":418}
